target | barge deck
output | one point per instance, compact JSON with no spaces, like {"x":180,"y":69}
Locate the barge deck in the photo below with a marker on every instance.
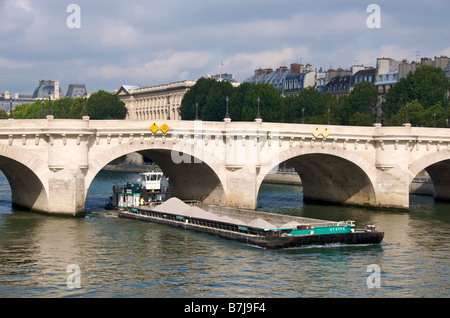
{"x":268,"y":230}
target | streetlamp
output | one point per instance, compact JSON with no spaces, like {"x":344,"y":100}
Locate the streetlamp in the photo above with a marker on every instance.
{"x":434,"y":120}
{"x":303,"y":115}
{"x":258,"y":116}
{"x":43,"y":110}
{"x":49,"y":105}
{"x":10,"y":108}
{"x":328,"y":115}
{"x":196,"y":111}
{"x":227,"y":116}
{"x":168,"y":106}
{"x":85,"y":105}
{"x":406,"y":119}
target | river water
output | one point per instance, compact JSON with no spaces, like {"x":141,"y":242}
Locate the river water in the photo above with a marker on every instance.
{"x":102,"y":255}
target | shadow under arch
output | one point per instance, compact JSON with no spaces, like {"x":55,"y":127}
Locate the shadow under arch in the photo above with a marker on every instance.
{"x":332,"y":179}
{"x":189,"y":180}
{"x":27,"y":190}
{"x":438,"y":169}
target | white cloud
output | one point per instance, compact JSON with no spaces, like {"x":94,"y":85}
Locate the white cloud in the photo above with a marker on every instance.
{"x":22,"y":4}
{"x":117,"y":34}
{"x":176,"y":66}
{"x":8,"y":64}
{"x":153,"y":42}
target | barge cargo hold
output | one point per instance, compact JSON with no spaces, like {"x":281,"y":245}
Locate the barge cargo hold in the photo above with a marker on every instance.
{"x":268,"y":230}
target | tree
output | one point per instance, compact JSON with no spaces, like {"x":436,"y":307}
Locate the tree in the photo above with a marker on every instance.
{"x":104,"y":105}
{"x":416,"y":115}
{"x":3,"y":114}
{"x":270,"y":104}
{"x":237,"y":100}
{"x":428,"y":85}
{"x":215,"y":107}
{"x":362,"y":99}
{"x":61,"y":108}
{"x":19,"y":112}
{"x":77,"y":108}
{"x":360,"y":119}
{"x":310,"y":105}
{"x":196,"y":94}
{"x":34,"y":111}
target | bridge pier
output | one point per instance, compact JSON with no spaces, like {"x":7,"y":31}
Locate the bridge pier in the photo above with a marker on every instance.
{"x":241,"y":188}
{"x":392,"y":189}
{"x":66,"y":192}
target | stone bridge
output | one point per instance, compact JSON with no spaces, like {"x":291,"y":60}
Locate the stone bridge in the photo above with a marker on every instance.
{"x":50,"y":163}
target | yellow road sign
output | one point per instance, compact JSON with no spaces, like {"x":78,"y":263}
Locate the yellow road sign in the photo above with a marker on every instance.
{"x":154,"y":128}
{"x":164,"y":128}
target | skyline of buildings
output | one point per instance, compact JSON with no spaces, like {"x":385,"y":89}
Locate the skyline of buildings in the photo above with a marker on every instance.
{"x":154,"y":102}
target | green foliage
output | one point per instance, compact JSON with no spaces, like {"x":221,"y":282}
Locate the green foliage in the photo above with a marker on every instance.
{"x":428,"y":85}
{"x":101,"y":105}
{"x":311,"y":104}
{"x":236,"y":101}
{"x":360,"y":119}
{"x":363,"y":100}
{"x":270,"y":105}
{"x":3,"y":114}
{"x":104,"y":105}
{"x":20,"y":110}
{"x":242,"y":104}
{"x":421,"y":117}
{"x":198,"y":93}
{"x":215,"y":107}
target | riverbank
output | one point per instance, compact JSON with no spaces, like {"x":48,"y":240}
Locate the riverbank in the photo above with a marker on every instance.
{"x":422,"y":184}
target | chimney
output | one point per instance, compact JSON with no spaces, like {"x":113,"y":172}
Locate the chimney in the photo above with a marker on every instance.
{"x":283,"y":69}
{"x":267,"y":71}
{"x":258,"y":72}
{"x":295,"y":68}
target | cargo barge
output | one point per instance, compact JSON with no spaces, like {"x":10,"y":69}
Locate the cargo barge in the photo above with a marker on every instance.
{"x":267,"y":230}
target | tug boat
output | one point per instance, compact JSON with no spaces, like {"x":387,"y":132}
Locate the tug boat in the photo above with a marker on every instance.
{"x":150,"y":188}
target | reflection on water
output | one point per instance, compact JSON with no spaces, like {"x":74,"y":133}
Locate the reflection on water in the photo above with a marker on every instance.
{"x":127,"y":258}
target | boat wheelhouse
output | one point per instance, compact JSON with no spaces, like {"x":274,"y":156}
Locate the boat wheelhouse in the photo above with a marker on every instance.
{"x":152,"y":187}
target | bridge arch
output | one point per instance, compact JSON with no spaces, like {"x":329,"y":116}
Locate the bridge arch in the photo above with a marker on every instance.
{"x":331,"y":175}
{"x":21,"y":171}
{"x":191,"y":179}
{"x":437,"y":165}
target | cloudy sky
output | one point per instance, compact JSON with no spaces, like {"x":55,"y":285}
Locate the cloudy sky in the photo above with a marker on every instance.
{"x":153,"y":42}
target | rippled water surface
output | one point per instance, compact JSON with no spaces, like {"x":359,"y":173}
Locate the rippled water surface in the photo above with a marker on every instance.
{"x":119,"y":257}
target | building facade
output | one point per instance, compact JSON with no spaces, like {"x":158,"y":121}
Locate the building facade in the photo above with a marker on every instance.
{"x":159,"y":102}
{"x":287,"y":81}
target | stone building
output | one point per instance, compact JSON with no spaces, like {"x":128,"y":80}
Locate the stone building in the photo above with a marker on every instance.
{"x":159,"y":102}
{"x":48,"y":88}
